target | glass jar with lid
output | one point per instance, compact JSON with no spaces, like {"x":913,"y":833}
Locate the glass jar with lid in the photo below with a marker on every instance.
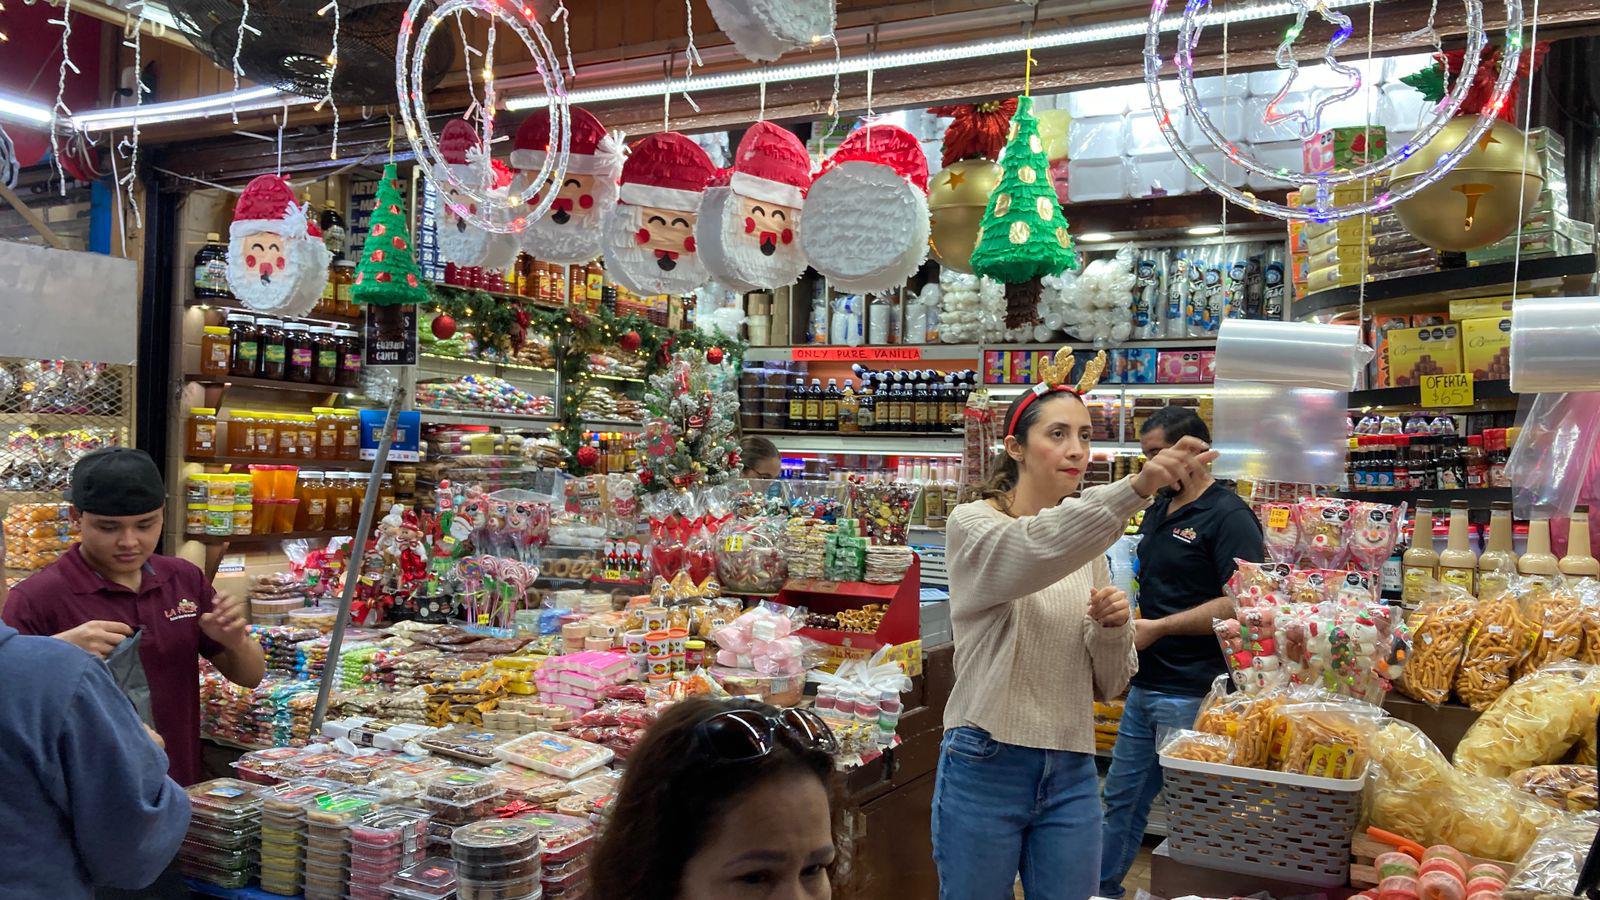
{"x":274,"y":349}
{"x":306,"y":429}
{"x":327,"y":419}
{"x":216,"y":350}
{"x":342,"y":276}
{"x":349,"y":434}
{"x":325,"y":365}
{"x":386,"y":497}
{"x":288,"y":435}
{"x":245,"y":358}
{"x":341,"y":500}
{"x":350,"y":361}
{"x":302,"y":352}
{"x":265,"y":433}
{"x":312,"y":514}
{"x":211,"y":269}
{"x":241,"y":433}
{"x":201,"y":432}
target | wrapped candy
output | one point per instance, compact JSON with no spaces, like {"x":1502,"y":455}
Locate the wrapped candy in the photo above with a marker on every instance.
{"x":1374,"y":530}
{"x":1252,"y":581}
{"x":1280,"y":526}
{"x":1324,"y":531}
{"x":749,"y":556}
{"x":885,"y":510}
{"x":1249,"y":643}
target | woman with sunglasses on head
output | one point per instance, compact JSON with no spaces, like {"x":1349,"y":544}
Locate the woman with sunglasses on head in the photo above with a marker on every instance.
{"x":1040,"y":632}
{"x":722,"y":800}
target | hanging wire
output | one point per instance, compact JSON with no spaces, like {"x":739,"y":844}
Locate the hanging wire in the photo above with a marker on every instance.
{"x":761,"y":114}
{"x":1531,"y":50}
{"x":304,"y":182}
{"x":666,"y":93}
{"x":467,"y":53}
{"x":1366,"y":217}
{"x":122,"y":225}
{"x":283,"y":120}
{"x":238,"y":44}
{"x":61,"y":91}
{"x":1224,"y":220}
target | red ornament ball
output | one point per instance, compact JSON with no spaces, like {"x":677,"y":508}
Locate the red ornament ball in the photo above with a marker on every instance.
{"x":588,"y":456}
{"x":714,"y":355}
{"x":646,"y":476}
{"x":580,"y":321}
{"x":630,"y":341}
{"x":444,"y":327}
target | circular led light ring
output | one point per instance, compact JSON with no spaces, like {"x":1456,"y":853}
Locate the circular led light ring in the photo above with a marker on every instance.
{"x":1319,"y":210}
{"x":1446,"y":109}
{"x":495,"y":211}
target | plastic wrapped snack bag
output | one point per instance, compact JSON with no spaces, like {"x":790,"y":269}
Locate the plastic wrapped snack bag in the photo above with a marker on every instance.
{"x":1199,"y":746}
{"x":1439,"y":630}
{"x":1535,"y":722}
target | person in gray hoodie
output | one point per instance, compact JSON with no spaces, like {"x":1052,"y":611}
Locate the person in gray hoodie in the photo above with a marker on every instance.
{"x":86,"y":802}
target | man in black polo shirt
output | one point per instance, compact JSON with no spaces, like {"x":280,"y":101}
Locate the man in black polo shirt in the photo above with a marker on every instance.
{"x":1190,"y":538}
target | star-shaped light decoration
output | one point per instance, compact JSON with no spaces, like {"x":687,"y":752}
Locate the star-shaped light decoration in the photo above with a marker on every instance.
{"x":1311,"y":124}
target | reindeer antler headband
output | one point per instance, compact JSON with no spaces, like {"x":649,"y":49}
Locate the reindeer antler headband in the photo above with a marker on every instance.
{"x":1053,"y":376}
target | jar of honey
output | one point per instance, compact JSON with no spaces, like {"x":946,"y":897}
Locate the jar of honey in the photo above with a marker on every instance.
{"x":386,"y":495}
{"x":306,"y":428}
{"x":327,"y":420}
{"x":265,"y":433}
{"x":202,"y":432}
{"x":288,"y":435}
{"x":341,"y":500}
{"x":313,"y":512}
{"x":216,"y":350}
{"x":349,"y":434}
{"x":242,"y":433}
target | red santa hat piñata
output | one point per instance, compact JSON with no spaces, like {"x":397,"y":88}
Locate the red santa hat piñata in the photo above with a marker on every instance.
{"x":771,"y":165}
{"x":458,"y":141}
{"x":590,"y":151}
{"x":667,"y":171}
{"x":884,"y":145}
{"x":268,"y":205}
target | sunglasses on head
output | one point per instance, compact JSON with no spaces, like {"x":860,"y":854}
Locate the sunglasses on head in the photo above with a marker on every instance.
{"x":739,"y":735}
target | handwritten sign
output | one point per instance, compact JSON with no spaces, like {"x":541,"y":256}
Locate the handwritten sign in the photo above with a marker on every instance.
{"x":856,"y":354}
{"x":1447,"y":390}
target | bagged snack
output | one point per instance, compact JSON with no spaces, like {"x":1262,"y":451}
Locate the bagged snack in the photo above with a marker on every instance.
{"x":1325,"y":524}
{"x":1245,"y":719}
{"x":1567,"y":787}
{"x":1550,"y":868}
{"x":1587,"y":590}
{"x":1250,"y":647}
{"x":1439,"y":630}
{"x":1326,"y":740}
{"x":1374,"y":530}
{"x":1553,"y":619}
{"x":1492,"y":651}
{"x":1280,"y":526}
{"x":1210,"y":748}
{"x":1535,"y":722}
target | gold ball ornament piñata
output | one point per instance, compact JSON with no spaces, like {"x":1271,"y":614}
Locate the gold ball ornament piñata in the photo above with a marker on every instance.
{"x":957,"y":197}
{"x":1481,"y":200}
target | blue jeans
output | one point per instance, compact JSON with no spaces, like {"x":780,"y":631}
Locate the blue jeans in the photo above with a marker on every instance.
{"x":1135,"y":777}
{"x":999,"y":809}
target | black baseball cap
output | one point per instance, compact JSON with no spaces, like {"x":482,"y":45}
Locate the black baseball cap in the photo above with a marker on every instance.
{"x":117,"y":481}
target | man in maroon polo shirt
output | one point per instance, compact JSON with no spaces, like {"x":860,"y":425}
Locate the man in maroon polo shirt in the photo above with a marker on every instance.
{"x":111,"y":583}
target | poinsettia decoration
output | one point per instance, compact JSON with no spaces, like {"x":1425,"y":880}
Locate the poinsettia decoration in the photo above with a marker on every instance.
{"x":1434,"y":82}
{"x":979,"y":129}
{"x":690,"y":437}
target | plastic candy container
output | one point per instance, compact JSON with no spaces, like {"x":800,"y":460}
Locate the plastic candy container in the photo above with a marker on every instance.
{"x":283,"y":831}
{"x":554,"y":754}
{"x":749,"y":556}
{"x":227,"y":811}
{"x":266,"y":766}
{"x":328,"y":824}
{"x":432,"y":879}
{"x":381,"y":846}
{"x":497,"y":860}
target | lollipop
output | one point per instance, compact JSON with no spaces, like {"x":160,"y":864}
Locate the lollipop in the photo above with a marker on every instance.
{"x":1325,"y":529}
{"x":1375,"y":528}
{"x":1281,"y":528}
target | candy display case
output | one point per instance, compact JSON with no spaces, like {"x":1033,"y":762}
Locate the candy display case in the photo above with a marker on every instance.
{"x":835,"y":601}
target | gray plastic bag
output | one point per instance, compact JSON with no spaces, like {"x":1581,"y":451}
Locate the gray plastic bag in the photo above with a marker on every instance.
{"x":128,"y":672}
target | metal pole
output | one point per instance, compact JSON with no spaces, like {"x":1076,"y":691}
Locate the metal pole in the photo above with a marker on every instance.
{"x":358,"y":552}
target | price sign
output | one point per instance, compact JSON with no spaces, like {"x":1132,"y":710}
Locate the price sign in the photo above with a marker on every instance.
{"x":1447,"y":390}
{"x":1278,"y":517}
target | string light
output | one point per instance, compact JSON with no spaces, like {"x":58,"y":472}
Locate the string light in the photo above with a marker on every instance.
{"x":1323,"y":207}
{"x":480,"y":204}
{"x":138,"y":101}
{"x":238,"y":44}
{"x":61,"y":91}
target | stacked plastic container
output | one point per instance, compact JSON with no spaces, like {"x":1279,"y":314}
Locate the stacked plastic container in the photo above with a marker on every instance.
{"x":459,"y":796}
{"x":328,"y":826}
{"x":283,"y":831}
{"x":498,"y":859}
{"x":566,"y":842}
{"x":432,"y":879}
{"x":391,"y":839}
{"x":223,"y":831}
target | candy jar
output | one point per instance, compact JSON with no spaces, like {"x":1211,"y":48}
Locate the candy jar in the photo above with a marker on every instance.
{"x":749,"y":556}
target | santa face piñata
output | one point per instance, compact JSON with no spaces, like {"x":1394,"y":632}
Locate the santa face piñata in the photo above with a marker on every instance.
{"x":652,"y":250}
{"x":570,"y":231}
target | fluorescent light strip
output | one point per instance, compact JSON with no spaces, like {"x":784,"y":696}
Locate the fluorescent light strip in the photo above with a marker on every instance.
{"x":246,"y":100}
{"x":1066,"y":37}
{"x":24,"y":112}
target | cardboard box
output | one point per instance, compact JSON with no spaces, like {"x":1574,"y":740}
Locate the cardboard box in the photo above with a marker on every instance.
{"x":1486,"y":347}
{"x":1354,"y":230}
{"x":1479,"y":308}
{"x":1415,"y":352}
{"x":1178,"y":367}
{"x":1330,"y":277}
{"x":1344,"y":148}
{"x":996,"y":366}
{"x":1139,"y":365}
{"x":1208,"y":366}
{"x":1379,"y":328}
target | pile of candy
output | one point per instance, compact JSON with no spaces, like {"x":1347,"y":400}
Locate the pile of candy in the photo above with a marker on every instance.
{"x":278,"y":644}
{"x":1331,"y":533}
{"x":807,"y":541}
{"x":602,"y":404}
{"x":750,"y":557}
{"x":480,"y":393}
{"x":885,"y":509}
{"x":761,"y":640}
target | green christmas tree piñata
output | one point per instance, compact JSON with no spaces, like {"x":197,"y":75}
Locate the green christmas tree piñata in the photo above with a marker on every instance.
{"x":387,"y":274}
{"x":1023,"y":234}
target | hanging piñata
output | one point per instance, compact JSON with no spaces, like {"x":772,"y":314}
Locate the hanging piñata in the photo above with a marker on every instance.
{"x":460,"y":241}
{"x":867,"y":212}
{"x":1024,"y":233}
{"x":570,"y":232}
{"x":749,"y":228}
{"x":273,"y":262}
{"x":387,"y":274}
{"x":649,"y":236}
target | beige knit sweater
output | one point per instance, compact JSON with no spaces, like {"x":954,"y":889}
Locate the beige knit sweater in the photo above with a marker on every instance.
{"x":1029,"y":660}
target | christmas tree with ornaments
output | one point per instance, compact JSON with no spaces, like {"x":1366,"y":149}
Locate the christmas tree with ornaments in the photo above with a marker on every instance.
{"x":387,"y":274}
{"x":689,"y":438}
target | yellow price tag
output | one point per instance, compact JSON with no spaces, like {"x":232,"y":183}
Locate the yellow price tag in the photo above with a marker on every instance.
{"x":1278,"y":517}
{"x":734,"y":543}
{"x":1447,"y":390}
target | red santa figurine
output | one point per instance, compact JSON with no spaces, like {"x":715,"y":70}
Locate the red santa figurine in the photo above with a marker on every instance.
{"x":867,"y":211}
{"x":460,"y":241}
{"x":749,"y":228}
{"x":273,"y":261}
{"x":569,"y":232}
{"x":649,"y":237}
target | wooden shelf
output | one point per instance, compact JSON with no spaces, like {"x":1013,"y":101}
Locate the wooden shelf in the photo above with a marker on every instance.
{"x":271,"y":384}
{"x":1435,"y":289}
{"x":267,"y":538}
{"x":230,"y":303}
{"x":1477,"y":498}
{"x":484,"y":363}
{"x":493,"y":419}
{"x":312,"y":464}
{"x":1410,"y":396}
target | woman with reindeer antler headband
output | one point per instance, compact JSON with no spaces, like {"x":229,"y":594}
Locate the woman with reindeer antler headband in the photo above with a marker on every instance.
{"x":1040,"y":632}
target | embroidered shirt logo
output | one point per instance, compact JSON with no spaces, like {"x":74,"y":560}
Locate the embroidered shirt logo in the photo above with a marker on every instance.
{"x":186,"y":609}
{"x":1187,"y":535}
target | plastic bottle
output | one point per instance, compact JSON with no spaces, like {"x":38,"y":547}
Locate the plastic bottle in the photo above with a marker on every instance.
{"x":1458,"y":565}
{"x":1420,"y":562}
{"x":1498,"y":562}
{"x":1538,"y":560}
{"x":849,"y":408}
{"x":814,"y":406}
{"x":796,"y":420}
{"x":830,"y":406}
{"x":202,"y":432}
{"x":1579,"y":563}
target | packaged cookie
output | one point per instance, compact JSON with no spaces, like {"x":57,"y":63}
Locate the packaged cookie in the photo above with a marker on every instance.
{"x":224,"y":800}
{"x":461,"y":785}
{"x":496,"y":849}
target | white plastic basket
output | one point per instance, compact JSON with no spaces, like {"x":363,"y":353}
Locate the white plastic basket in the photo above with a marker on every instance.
{"x":1255,"y":822}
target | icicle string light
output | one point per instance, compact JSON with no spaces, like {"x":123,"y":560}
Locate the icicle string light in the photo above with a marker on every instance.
{"x":61,"y":91}
{"x":238,"y":44}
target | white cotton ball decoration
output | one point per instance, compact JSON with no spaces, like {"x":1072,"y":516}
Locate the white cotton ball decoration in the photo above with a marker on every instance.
{"x":1042,"y":333}
{"x":1121,"y":332}
{"x":763,"y":30}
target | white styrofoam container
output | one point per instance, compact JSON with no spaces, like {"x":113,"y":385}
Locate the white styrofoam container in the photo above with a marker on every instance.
{"x":1095,"y":137}
{"x":1228,"y":115}
{"x":1100,"y":179}
{"x":1142,"y":136}
{"x":1279,"y":154}
{"x":1150,"y":176}
{"x":1109,"y":101}
{"x":1231,"y":173}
